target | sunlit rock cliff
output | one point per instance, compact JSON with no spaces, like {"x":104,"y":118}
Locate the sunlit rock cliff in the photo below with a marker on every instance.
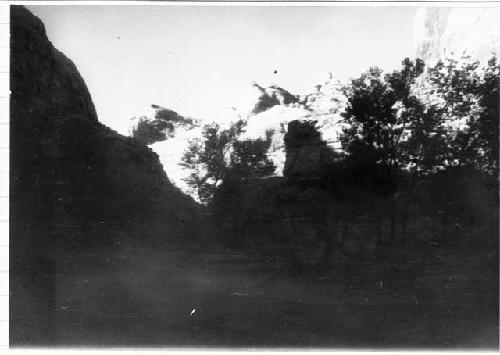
{"x":444,"y":32}
{"x":263,"y":109}
{"x":159,"y":124}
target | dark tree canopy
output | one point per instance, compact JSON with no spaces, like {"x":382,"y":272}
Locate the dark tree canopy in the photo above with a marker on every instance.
{"x":380,"y":108}
{"x":220,"y":154}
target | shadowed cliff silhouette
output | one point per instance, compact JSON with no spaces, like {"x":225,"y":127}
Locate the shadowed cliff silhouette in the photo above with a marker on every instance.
{"x":73,"y":180}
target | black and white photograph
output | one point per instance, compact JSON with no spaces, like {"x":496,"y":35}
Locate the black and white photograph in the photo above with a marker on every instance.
{"x":254,"y":175}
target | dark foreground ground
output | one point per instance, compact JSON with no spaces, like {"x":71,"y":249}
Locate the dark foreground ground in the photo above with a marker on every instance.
{"x":428,"y":296}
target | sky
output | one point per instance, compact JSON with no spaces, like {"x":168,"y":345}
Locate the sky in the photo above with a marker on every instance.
{"x":198,"y":60}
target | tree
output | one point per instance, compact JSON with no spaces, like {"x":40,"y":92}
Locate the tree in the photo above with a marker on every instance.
{"x":219,"y":155}
{"x":465,"y":94}
{"x":379,"y":113}
{"x":488,"y":123}
{"x":192,"y":159}
{"x":457,"y":131}
{"x":451,"y":124}
{"x":249,"y":159}
{"x":376,"y":116}
{"x":207,"y":158}
{"x":368,"y":116}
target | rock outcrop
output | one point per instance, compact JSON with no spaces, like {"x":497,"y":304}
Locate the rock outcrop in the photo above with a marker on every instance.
{"x":161,"y":124}
{"x":271,"y":96}
{"x":307,"y":154}
{"x":445,"y":32}
{"x":63,"y":160}
{"x":70,"y":176}
{"x":264,"y":110}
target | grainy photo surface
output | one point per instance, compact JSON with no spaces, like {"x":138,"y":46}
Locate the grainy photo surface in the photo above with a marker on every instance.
{"x":254,"y":176}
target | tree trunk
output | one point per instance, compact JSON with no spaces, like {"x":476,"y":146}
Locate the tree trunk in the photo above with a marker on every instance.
{"x":377,"y":224}
{"x":406,"y":208}
{"x":393,"y":224}
{"x":445,"y":225}
{"x":294,"y":227}
{"x":320,"y":222}
{"x":342,"y":231}
{"x":404,"y":221}
{"x":327,"y":251}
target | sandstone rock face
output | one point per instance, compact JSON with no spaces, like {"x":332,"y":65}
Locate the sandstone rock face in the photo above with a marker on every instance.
{"x":168,"y":134}
{"x":66,"y":167}
{"x":442,"y":32}
{"x":271,"y":96}
{"x":42,"y":77}
{"x":306,"y":152}
{"x":263,"y":109}
{"x":276,"y":120}
{"x":160,"y":124}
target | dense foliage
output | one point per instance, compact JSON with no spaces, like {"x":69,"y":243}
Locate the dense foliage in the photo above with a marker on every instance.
{"x":220,"y":154}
